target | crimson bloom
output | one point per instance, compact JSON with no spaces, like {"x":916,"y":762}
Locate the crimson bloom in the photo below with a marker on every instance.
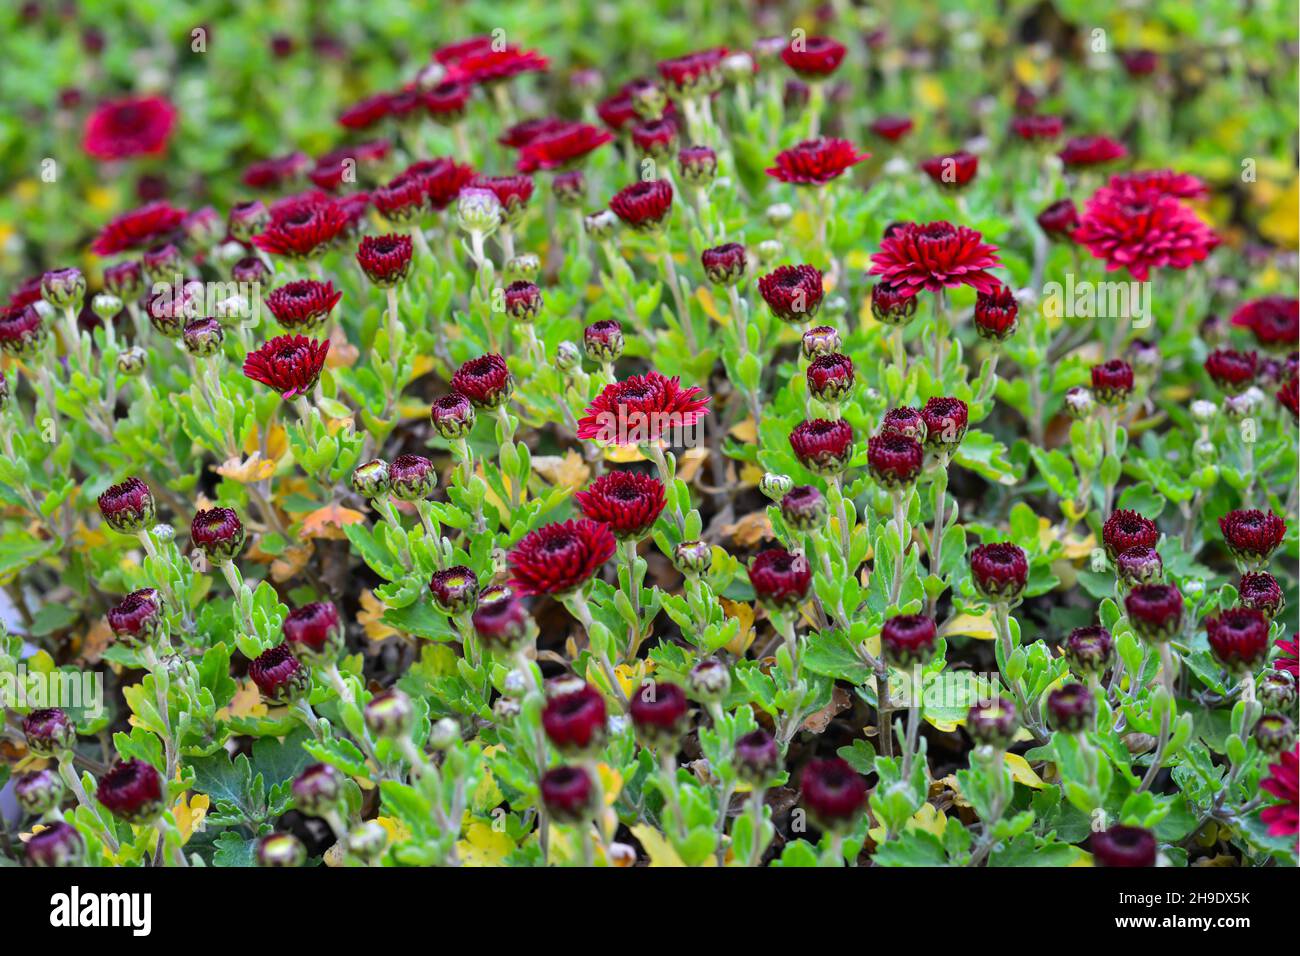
{"x":629,"y":502}
{"x":833,"y":791}
{"x":120,"y":129}
{"x":894,"y":459}
{"x":644,"y":205}
{"x":822,"y":446}
{"x":779,"y":577}
{"x":815,"y":162}
{"x":1112,"y":381}
{"x":1060,"y":219}
{"x":1274,"y":320}
{"x":131,"y":791}
{"x":908,"y":639}
{"x":951,"y":170}
{"x":793,"y":293}
{"x":561,"y":146}
{"x":1155,"y":610}
{"x":559,"y":558}
{"x":1123,"y":846}
{"x":276,"y":171}
{"x":830,"y":377}
{"x":946,"y":420}
{"x":1151,"y":183}
{"x":814,"y":58}
{"x":1283,"y":782}
{"x":575,"y":722}
{"x":513,"y":192}
{"x":1035,"y":128}
{"x":290,"y":364}
{"x":385,"y":260}
{"x":1126,"y":529}
{"x":483,"y":62}
{"x":367,"y":112}
{"x":303,"y":306}
{"x":1084,"y":151}
{"x":485,"y":381}
{"x":892,"y":128}
{"x":643,"y":409}
{"x":1232,"y":371}
{"x":1238,"y":637}
{"x":1260,"y":590}
{"x":138,"y":228}
{"x":695,"y":73}
{"x":1141,"y":235}
{"x":996,"y":313}
{"x":1000,"y":571}
{"x":303,"y":227}
{"x":935,"y":256}
{"x":1252,"y":535}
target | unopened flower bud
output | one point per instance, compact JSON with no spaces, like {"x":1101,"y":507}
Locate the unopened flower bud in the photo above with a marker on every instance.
{"x":804,"y":507}
{"x":453,"y":416}
{"x":709,"y":680}
{"x":603,"y":341}
{"x":58,"y":844}
{"x":524,"y":267}
{"x":478,"y":210}
{"x":600,"y":225}
{"x":412,"y":478}
{"x":132,"y":361}
{"x":444,"y":733}
{"x":822,"y":340}
{"x":370,"y":480}
{"x":768,"y":250}
{"x":280,"y":849}
{"x":1079,"y":402}
{"x":778,"y":214}
{"x":64,"y":288}
{"x":318,"y":790}
{"x":367,"y":841}
{"x":389,"y":714}
{"x":775,"y":486}
{"x":693,"y":557}
{"x":38,"y":792}
{"x":567,"y":357}
{"x":106,"y":306}
{"x":1277,"y":691}
{"x":1275,"y":734}
{"x":203,"y":337}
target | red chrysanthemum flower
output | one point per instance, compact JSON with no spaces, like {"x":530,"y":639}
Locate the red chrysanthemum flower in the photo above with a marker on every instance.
{"x":1033,"y":128}
{"x":1112,"y":381}
{"x":1060,"y":219}
{"x":908,"y":639}
{"x":1083,"y":151}
{"x":628,"y":501}
{"x":833,"y":791}
{"x":575,"y":722}
{"x":1155,"y":611}
{"x":561,"y":146}
{"x":814,"y":58}
{"x":934,"y":256}
{"x":617,"y":111}
{"x":644,"y":205}
{"x":1232,"y":371}
{"x":892,"y":128}
{"x":816,"y":161}
{"x":793,"y":293}
{"x":1283,"y":782}
{"x":657,"y":137}
{"x":132,"y":790}
{"x":996,"y":313}
{"x":277,"y":171}
{"x":904,"y":420}
{"x":1288,"y":397}
{"x":119,"y":129}
{"x":1000,"y":571}
{"x":1139,"y":63}
{"x":403,"y":198}
{"x":1123,"y":846}
{"x":139,"y":228}
{"x":558,"y":558}
{"x":385,"y":260}
{"x":290,"y":364}
{"x":335,"y":168}
{"x":485,"y":381}
{"x":1252,"y":535}
{"x":830,"y":377}
{"x":695,"y":73}
{"x":1260,"y":590}
{"x":513,"y":192}
{"x":1238,"y":637}
{"x":1290,"y":659}
{"x":303,"y":305}
{"x":894,"y":459}
{"x":302,"y":228}
{"x":442,"y":179}
{"x":1148,"y":184}
{"x":1274,"y":319}
{"x":447,"y":101}
{"x":779,"y":577}
{"x":1143,"y":235}
{"x":366,"y":113}
{"x":526,"y":131}
{"x":823,"y":446}
{"x":643,"y":409}
{"x":1126,"y":529}
{"x":946,"y":420}
{"x":480,"y":60}
{"x":951,"y":170}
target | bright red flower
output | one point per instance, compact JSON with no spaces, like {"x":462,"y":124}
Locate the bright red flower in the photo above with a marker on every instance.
{"x":385,"y":260}
{"x":1000,"y":570}
{"x":290,"y":364}
{"x":367,"y":112}
{"x":561,"y":146}
{"x":694,"y":73}
{"x":934,"y":256}
{"x":657,"y":137}
{"x":833,"y":791}
{"x":1290,"y":659}
{"x":779,"y":577}
{"x":1084,"y":151}
{"x":643,"y":409}
{"x":480,"y":60}
{"x":894,"y":459}
{"x":617,"y":111}
{"x":996,"y":313}
{"x":513,"y":192}
{"x":447,"y":101}
{"x":1146,"y":185}
{"x":793,"y":293}
{"x":892,"y":128}
{"x":303,"y":305}
{"x":524,"y":132}
{"x":1238,"y":638}
{"x":1289,"y":397}
{"x":485,"y":381}
{"x":823,"y":446}
{"x":558,"y":558}
{"x":276,"y":171}
{"x":1251,"y":534}
{"x":814,"y":58}
{"x":1232,"y":371}
{"x":303,"y":227}
{"x":1034,"y":128}
{"x":332,"y":169}
{"x":630,"y":502}
{"x":1126,"y":529}
{"x":119,"y":129}
{"x":138,"y":228}
{"x":644,"y":205}
{"x":1274,"y":319}
{"x":816,"y":161}
{"x":441,"y":178}
{"x":951,"y":170}
{"x":1283,"y":782}
{"x":1143,"y":235}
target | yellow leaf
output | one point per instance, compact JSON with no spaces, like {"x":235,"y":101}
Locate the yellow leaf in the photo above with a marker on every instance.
{"x":623,"y":454}
{"x":1022,"y":773}
{"x":979,"y":626}
{"x":1075,"y":547}
{"x":689,"y":463}
{"x":631,"y":677}
{"x":369,"y":617}
{"x":568,"y":471}
{"x":247,"y":702}
{"x":750,"y":530}
{"x":396,"y":829}
{"x":484,"y":846}
{"x":705,"y":297}
{"x":744,"y":613}
{"x":247,"y":471}
{"x":291,"y":561}
{"x":929,"y":818}
{"x":329,"y":521}
{"x":750,"y":475}
{"x":659,"y":850}
{"x":277,"y":443}
{"x":189,"y":814}
{"x":611,"y":781}
{"x":746,"y":431}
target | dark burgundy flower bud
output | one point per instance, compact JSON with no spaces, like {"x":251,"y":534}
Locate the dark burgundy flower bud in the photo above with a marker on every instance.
{"x":279,"y":675}
{"x":953,"y":170}
{"x":314,"y":631}
{"x":644,"y":206}
{"x":822,"y":340}
{"x":501,"y":621}
{"x":694,"y":75}
{"x":756,"y":758}
{"x":724,"y":265}
{"x":830,"y":378}
{"x":138,"y":617}
{"x":1155,"y":611}
{"x":203,"y":227}
{"x":485,"y":381}
{"x":894,"y":459}
{"x":1000,"y":571}
{"x":1139,"y":565}
{"x":824,"y":447}
{"x":124,"y":280}
{"x":38,"y":792}
{"x":569,"y":794}
{"x":1089,"y":650}
{"x":698,"y":165}
{"x":908,"y":639}
{"x":813,"y":58}
{"x":1087,"y":151}
{"x":203,"y":337}
{"x":128,"y":507}
{"x":904,"y":420}
{"x":1232,"y":371}
{"x":1275,"y":734}
{"x":946,"y":420}
{"x":161,"y":263}
{"x":452,"y":416}
{"x":890,"y":306}
{"x":1277,"y":691}
{"x":132,"y":791}
{"x":995,"y":314}
{"x":49,"y":732}
{"x":993,"y":723}
{"x":1126,"y":529}
{"x":389,"y":714}
{"x":575,"y":722}
{"x":793,"y":293}
{"x":280,"y":850}
{"x":303,"y":306}
{"x":523,"y":301}
{"x":1259,"y":590}
{"x":64,"y":288}
{"x":447,"y":101}
{"x":570,"y":188}
{"x":1139,"y":63}
{"x":1060,"y":219}
{"x":1034,"y":128}
{"x":603,"y":340}
{"x":1238,"y":638}
{"x":780,"y":578}
{"x":370,"y":480}
{"x":1252,"y":535}
{"x":804,"y":507}
{"x":656,"y":138}
{"x":1072,"y":708}
{"x":455,"y":590}
{"x":629,"y":502}
{"x":219,"y":532}
{"x":22,"y":331}
{"x":386,"y":260}
{"x":659,"y":712}
{"x":891,"y":128}
{"x":412,"y":478}
{"x":833,"y":792}
{"x":1123,"y":846}
{"x":318,"y":790}
{"x":58,"y":844}
{"x":1112,"y":382}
